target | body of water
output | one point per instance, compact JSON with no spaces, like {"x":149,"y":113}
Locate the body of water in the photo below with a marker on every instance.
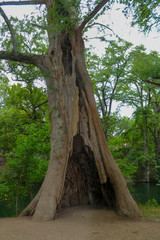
{"x":142,"y":192}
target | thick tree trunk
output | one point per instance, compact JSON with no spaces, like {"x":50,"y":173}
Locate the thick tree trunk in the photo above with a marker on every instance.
{"x":81,"y":169}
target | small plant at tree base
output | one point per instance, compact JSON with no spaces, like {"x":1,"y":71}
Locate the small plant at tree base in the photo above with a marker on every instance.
{"x":152,"y":203}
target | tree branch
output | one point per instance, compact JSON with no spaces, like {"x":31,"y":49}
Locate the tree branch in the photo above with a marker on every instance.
{"x":41,"y":104}
{"x":151,"y":82}
{"x":29,"y":2}
{"x":30,"y":59}
{"x":93,"y":13}
{"x":14,"y":40}
{"x":39,"y":26}
{"x":22,"y":108}
{"x":156,"y":78}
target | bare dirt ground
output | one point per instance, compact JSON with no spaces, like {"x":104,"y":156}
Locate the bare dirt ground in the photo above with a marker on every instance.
{"x":80,"y":223}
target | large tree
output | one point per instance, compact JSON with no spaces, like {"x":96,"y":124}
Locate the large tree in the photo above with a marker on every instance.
{"x":82,"y":169}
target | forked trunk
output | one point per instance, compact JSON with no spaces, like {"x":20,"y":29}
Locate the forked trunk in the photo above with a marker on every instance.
{"x":81,"y":169}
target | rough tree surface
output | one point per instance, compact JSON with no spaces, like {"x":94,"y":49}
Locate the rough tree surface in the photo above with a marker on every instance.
{"x":81,"y":169}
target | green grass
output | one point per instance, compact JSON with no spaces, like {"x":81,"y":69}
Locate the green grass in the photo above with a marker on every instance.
{"x":151,"y":213}
{"x":151,"y":210}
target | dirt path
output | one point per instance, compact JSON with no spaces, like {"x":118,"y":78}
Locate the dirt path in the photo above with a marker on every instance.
{"x":80,"y":223}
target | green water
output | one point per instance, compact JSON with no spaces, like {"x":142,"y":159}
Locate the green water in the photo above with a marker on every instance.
{"x":8,"y":209}
{"x":142,"y":192}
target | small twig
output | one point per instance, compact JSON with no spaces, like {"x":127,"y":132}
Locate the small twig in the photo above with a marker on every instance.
{"x":46,"y":101}
{"x":39,"y":26}
{"x":102,"y":25}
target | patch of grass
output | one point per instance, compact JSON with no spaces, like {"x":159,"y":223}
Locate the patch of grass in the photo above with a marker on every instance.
{"x":151,"y":213}
{"x":151,"y":210}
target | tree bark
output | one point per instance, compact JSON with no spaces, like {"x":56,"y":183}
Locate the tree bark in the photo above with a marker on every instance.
{"x":81,"y":169}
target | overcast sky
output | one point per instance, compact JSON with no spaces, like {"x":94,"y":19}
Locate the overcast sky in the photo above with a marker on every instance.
{"x":121,"y":27}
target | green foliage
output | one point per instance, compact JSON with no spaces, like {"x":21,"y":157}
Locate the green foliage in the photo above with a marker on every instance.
{"x":29,"y":40}
{"x":3,"y":84}
{"x":120,"y":77}
{"x":146,"y":66}
{"x":24,"y":123}
{"x":146,"y":14}
{"x":24,"y":136}
{"x":151,"y":210}
{"x":120,"y":149}
{"x":26,"y":164}
{"x":30,"y":99}
{"x":108,"y":75}
{"x":20,"y":103}
{"x":128,"y":169}
{"x":63,"y":16}
{"x":10,"y":119}
{"x":152,"y":203}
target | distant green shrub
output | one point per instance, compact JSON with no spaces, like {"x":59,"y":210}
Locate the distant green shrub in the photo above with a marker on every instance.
{"x":152,"y":203}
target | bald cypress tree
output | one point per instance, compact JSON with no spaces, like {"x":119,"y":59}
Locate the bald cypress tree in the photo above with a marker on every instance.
{"x":81,"y":169}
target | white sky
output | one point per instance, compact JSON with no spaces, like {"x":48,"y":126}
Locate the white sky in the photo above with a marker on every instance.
{"x":121,"y":27}
{"x":117,"y":22}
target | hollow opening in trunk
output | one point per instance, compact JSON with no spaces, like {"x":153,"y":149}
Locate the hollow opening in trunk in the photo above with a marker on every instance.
{"x":82,"y":184}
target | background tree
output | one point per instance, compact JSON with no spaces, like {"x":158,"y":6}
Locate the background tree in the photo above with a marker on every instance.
{"x":156,"y":128}
{"x":140,"y":90}
{"x":108,"y":74}
{"x":145,"y":68}
{"x":21,"y":105}
{"x":31,"y":100}
{"x":145,"y":14}
{"x":133,"y":145}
